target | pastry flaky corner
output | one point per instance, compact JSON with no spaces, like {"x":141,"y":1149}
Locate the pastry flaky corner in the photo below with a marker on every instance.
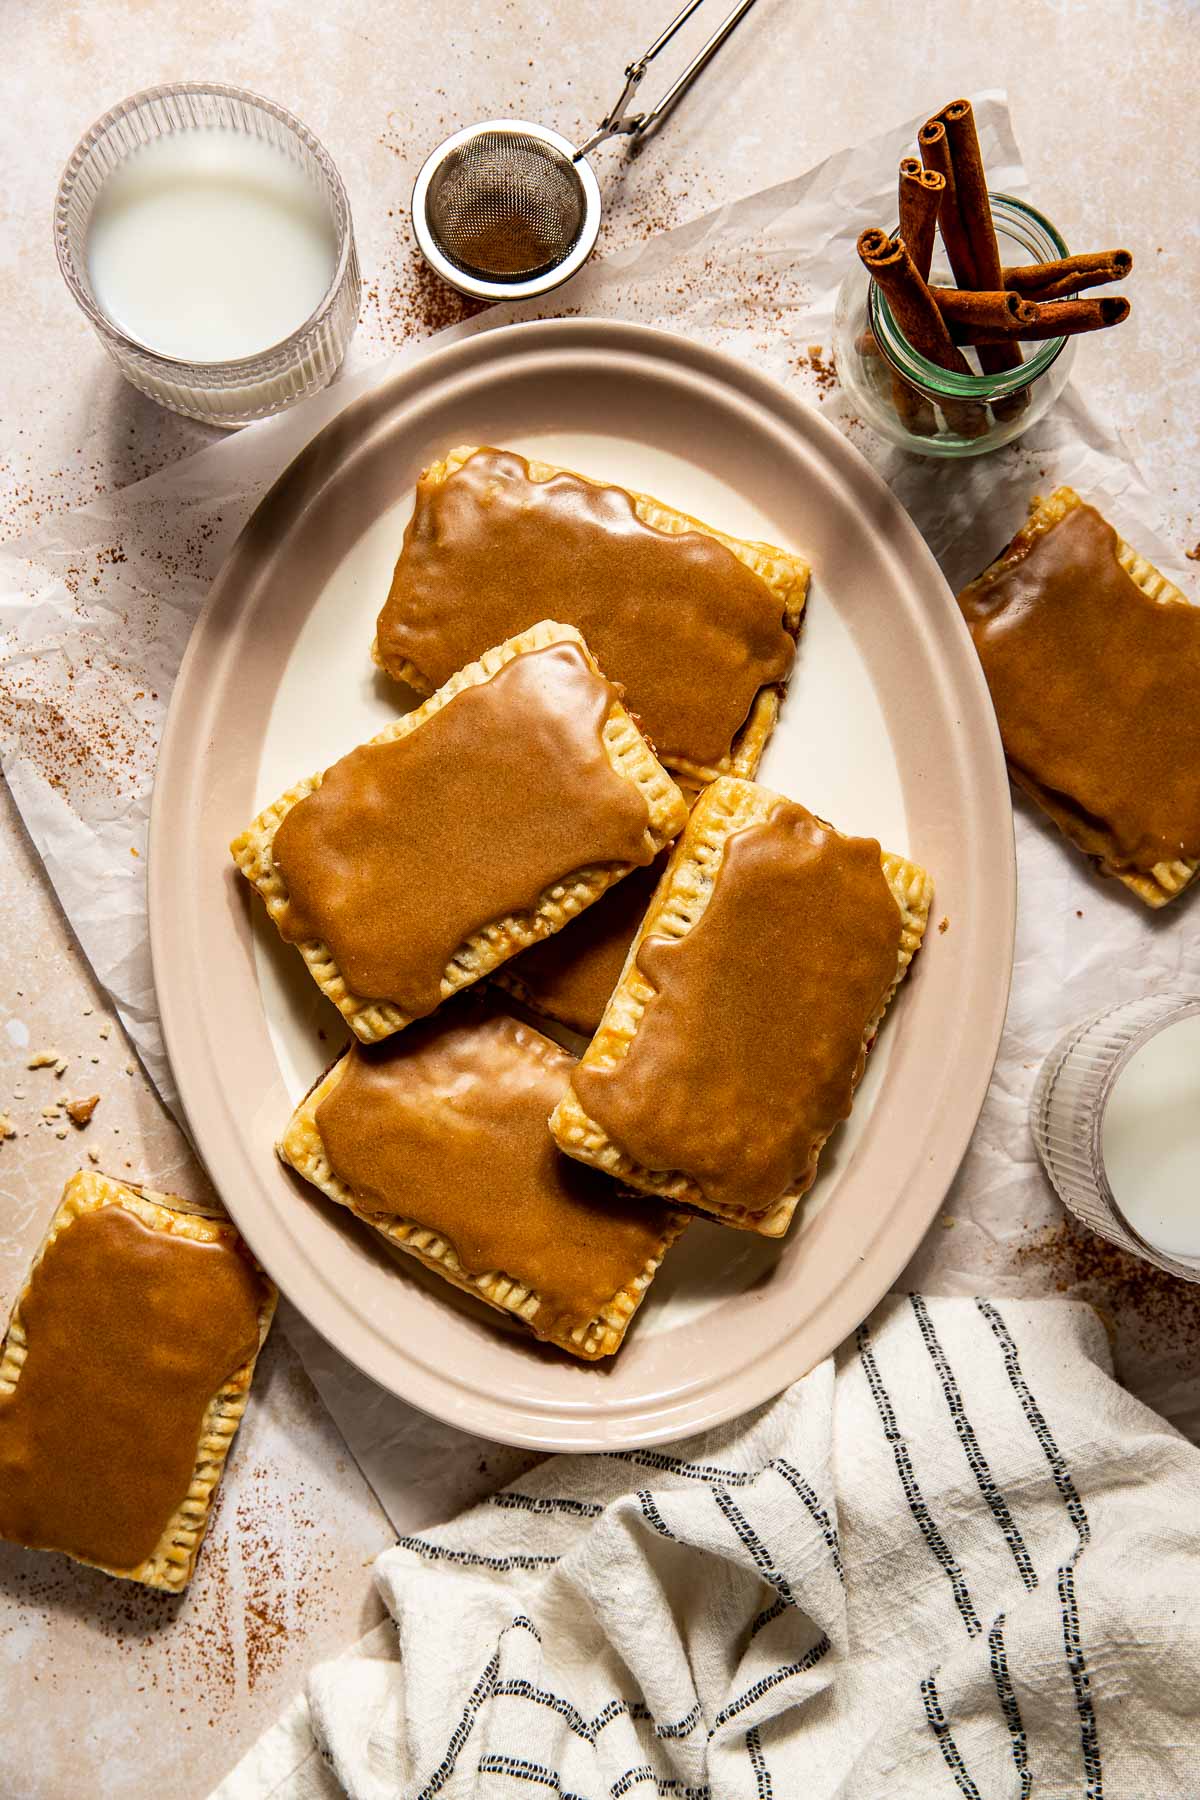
{"x":372,"y":1018}
{"x":1166,"y":880}
{"x":173,"y":1559}
{"x":726,"y":807}
{"x":782,"y":571}
{"x":302,"y":1149}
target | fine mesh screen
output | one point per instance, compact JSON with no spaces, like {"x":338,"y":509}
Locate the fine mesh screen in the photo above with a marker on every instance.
{"x":505,"y":205}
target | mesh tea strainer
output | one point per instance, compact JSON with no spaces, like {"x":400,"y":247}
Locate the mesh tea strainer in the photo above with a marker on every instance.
{"x":506,"y":210}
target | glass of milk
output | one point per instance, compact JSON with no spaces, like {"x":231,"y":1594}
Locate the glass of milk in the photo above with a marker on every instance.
{"x":207,"y":236}
{"x":1116,"y":1120}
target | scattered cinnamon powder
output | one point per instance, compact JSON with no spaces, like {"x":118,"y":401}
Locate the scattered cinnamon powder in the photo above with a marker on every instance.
{"x":815,"y":363}
{"x":1155,"y":1309}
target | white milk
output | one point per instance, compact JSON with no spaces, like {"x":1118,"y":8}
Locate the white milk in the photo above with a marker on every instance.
{"x":210,"y":245}
{"x":1150,"y":1139}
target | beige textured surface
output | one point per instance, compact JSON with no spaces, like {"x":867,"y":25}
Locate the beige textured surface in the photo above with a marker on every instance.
{"x":146,"y":1699}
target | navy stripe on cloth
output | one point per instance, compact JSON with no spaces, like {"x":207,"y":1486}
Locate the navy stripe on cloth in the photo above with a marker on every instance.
{"x":924,"y":1519}
{"x":519,"y":1770}
{"x":1089,"y":1736}
{"x":541,"y":1503}
{"x":945,"y":1738}
{"x":653,"y":1517}
{"x":676,"y":1465}
{"x":1007,"y":1696}
{"x":471,"y":1559}
{"x":808,"y":1661}
{"x":760,"y":1555}
{"x":677,"y":1790}
{"x":820,"y":1517}
{"x":758,"y":1762}
{"x":993,"y":1498}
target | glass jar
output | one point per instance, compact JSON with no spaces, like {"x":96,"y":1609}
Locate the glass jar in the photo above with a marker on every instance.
{"x":1068,"y":1109}
{"x":933,"y":411}
{"x":252,"y":387}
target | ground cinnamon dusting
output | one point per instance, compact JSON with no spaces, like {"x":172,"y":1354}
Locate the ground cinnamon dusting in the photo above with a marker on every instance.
{"x":1154,"y":1309}
{"x":815,"y":363}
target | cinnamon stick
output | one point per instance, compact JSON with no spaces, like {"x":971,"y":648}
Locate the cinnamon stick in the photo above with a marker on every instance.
{"x":921,"y":193}
{"x":975,"y":211}
{"x":1063,"y":278}
{"x":888,"y":262}
{"x":935,"y":154}
{"x":998,"y":311}
{"x":1054,"y":318}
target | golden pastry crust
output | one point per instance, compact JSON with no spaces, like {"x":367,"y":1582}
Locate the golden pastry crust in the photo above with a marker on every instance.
{"x":174,"y":1557}
{"x":728,"y":806}
{"x":1166,"y":880}
{"x":302,"y":1149}
{"x":630,"y":756}
{"x":785,"y":574}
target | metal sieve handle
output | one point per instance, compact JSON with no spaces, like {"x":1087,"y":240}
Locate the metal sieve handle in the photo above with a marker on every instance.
{"x":619,"y":123}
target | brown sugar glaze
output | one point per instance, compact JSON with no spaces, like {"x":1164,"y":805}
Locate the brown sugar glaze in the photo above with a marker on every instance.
{"x":446,"y":1126}
{"x":749,"y":1050}
{"x":1097,"y":692}
{"x":409,"y":847}
{"x":571,"y":975}
{"x":689,"y":631}
{"x":131,"y":1332}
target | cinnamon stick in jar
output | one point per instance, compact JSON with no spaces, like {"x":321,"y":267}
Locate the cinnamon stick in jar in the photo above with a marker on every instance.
{"x":1054,"y":318}
{"x":975,"y":214}
{"x":935,"y":154}
{"x":997,"y":312}
{"x":1062,"y":279}
{"x":920,"y":197}
{"x":915,"y":311}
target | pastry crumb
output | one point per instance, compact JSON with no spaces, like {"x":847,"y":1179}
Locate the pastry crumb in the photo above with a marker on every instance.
{"x":1193,"y":555}
{"x":87,"y":1012}
{"x":80,"y":1111}
{"x":61,"y":1133}
{"x":93,"y":1156}
{"x":104,"y":1030}
{"x":60,"y":1066}
{"x":943,"y":926}
{"x":7,"y":1128}
{"x":44,"y":1059}
{"x":948,"y":1224}
{"x":129,"y":1068}
{"x":50,"y":1112}
{"x":1078,"y":912}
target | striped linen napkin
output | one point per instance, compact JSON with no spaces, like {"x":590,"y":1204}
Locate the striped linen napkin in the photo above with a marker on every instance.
{"x":960,"y":1558}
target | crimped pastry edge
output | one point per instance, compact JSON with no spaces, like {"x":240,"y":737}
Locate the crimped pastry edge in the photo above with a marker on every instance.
{"x":727,"y":806}
{"x":786,"y":574}
{"x":629,"y":754}
{"x":302,"y":1149}
{"x":173,"y":1560}
{"x":1166,"y":880}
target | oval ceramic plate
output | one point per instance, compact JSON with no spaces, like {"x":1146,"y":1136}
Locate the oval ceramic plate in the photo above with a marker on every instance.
{"x":887,"y":731}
